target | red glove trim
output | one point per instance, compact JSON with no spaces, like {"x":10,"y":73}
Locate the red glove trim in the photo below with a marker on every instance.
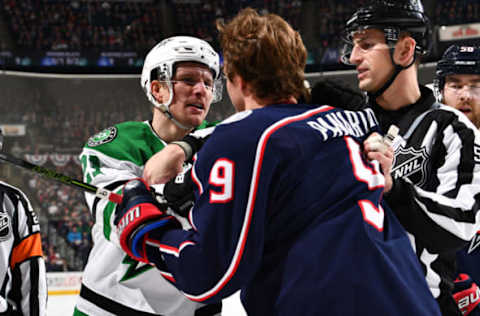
{"x":133,"y":219}
{"x":467,"y":299}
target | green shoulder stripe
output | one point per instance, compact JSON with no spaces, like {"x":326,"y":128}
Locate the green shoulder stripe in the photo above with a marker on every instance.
{"x":130,"y":141}
{"x":206,"y":124}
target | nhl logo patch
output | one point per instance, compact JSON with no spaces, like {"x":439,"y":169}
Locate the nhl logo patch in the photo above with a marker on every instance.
{"x":5,"y":227}
{"x":410,"y":163}
{"x":103,"y":137}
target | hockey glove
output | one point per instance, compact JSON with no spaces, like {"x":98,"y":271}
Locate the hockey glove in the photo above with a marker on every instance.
{"x":179,"y":193}
{"x":466,"y":293}
{"x":138,"y":215}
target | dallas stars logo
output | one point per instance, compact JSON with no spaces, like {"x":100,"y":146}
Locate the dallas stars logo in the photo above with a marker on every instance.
{"x":105,"y":136}
{"x":135,"y":268}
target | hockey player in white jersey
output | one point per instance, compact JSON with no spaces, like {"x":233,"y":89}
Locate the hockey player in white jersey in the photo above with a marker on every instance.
{"x":181,"y":78}
{"x":23,"y":278}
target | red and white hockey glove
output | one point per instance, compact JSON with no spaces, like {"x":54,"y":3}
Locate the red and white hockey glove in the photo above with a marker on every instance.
{"x":466,"y":293}
{"x":138,"y":215}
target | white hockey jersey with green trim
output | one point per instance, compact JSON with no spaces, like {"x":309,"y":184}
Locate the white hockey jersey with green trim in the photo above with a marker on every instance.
{"x":109,"y":159}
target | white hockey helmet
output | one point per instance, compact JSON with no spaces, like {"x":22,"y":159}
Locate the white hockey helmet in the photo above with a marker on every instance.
{"x":160,"y":61}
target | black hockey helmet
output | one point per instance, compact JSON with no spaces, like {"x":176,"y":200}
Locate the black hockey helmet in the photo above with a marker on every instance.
{"x":392,"y":17}
{"x":457,"y":60}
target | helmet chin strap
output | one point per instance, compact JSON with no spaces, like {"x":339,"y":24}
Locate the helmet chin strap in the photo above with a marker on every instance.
{"x":397,"y":69}
{"x":165,"y":108}
{"x":174,"y":120}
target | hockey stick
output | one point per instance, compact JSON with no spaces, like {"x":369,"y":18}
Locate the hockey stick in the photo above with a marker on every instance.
{"x":52,"y":174}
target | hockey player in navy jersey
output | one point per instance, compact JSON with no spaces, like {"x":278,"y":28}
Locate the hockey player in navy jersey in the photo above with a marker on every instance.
{"x":288,"y":208}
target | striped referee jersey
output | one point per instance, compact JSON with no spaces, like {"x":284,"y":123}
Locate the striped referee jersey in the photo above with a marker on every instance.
{"x":436,"y":191}
{"x":22,"y":267}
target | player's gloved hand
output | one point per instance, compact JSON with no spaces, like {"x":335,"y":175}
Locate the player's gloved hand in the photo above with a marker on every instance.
{"x":138,"y":215}
{"x":179,"y":193}
{"x":466,"y":293}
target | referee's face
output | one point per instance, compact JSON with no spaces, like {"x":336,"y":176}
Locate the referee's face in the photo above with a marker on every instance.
{"x":462,"y":91}
{"x":370,"y":55}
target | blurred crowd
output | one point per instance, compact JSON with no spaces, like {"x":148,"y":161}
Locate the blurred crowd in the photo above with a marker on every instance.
{"x":61,"y":125}
{"x":198,"y":18}
{"x":137,"y":25}
{"x":121,"y":25}
{"x":330,"y":17}
{"x":451,"y":12}
{"x":66,"y":236}
{"x":82,"y":25}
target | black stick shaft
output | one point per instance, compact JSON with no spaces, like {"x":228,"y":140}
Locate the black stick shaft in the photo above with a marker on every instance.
{"x":52,"y":174}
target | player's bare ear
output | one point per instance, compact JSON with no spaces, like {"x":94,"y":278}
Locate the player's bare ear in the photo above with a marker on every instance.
{"x":245,"y":86}
{"x":159,"y":91}
{"x":405,"y":50}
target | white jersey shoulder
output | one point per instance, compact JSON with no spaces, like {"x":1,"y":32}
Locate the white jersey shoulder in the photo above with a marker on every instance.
{"x":236,"y":117}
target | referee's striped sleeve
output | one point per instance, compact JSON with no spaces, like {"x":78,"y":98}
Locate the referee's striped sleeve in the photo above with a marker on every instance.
{"x":26,"y":268}
{"x":443,"y":212}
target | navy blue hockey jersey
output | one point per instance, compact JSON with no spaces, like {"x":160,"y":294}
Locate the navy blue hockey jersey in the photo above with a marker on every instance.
{"x":290,"y":211}
{"x":468,"y":259}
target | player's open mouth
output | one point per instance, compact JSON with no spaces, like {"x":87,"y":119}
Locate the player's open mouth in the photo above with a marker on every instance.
{"x":197,"y":105}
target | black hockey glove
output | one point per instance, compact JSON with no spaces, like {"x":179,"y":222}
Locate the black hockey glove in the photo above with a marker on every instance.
{"x":179,"y":193}
{"x":191,"y":145}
